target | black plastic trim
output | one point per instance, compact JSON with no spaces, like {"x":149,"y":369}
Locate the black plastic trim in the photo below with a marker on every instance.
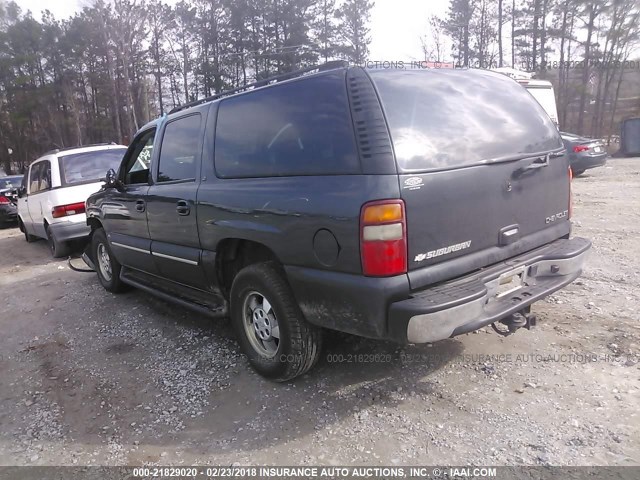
{"x":370,"y":127}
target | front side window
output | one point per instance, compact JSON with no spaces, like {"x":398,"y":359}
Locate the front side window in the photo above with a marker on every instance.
{"x":89,"y":166}
{"x":34,"y":178}
{"x":298,"y":128}
{"x":40,"y":177}
{"x":179,"y":151}
{"x":136,"y":168}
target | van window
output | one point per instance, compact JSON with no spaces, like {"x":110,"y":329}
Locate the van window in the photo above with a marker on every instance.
{"x":453,"y":118}
{"x":40,"y":177}
{"x":89,"y":167}
{"x":546,"y":98}
{"x":298,"y":128}
{"x":179,"y":151}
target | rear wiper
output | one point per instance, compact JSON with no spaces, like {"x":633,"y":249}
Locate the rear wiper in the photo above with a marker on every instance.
{"x":524,"y":156}
{"x":539,"y":161}
{"x":543,"y":160}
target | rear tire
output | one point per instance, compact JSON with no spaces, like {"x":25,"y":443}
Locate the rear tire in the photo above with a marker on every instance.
{"x":272,"y":331}
{"x":107,"y":267}
{"x":58,"y":249}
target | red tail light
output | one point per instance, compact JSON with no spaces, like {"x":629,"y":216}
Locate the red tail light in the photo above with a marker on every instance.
{"x":66,"y":210}
{"x":383,"y":238}
{"x":580,"y":148}
{"x":4,"y":200}
{"x":570,"y":194}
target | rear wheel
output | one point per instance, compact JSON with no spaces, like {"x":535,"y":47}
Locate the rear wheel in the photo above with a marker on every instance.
{"x":107,"y":267}
{"x":58,"y":249}
{"x":272,"y":331}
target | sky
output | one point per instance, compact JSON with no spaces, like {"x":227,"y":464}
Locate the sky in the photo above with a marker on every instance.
{"x":396,"y":25}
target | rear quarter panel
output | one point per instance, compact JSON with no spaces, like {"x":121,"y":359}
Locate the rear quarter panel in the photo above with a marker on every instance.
{"x":287,"y":213}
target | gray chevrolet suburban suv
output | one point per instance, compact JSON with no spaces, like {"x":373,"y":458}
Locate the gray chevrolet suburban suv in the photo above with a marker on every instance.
{"x":392,"y":204}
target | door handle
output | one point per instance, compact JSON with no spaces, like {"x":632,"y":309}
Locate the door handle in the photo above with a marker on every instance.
{"x":183,"y":207}
{"x":140,"y":205}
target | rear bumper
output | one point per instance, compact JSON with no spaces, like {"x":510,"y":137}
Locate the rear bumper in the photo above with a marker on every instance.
{"x":584,"y":162}
{"x":8,"y":213}
{"x":66,"y":231}
{"x":470,"y":303}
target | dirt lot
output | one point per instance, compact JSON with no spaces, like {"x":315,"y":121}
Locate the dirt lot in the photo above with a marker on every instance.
{"x":88,"y":377}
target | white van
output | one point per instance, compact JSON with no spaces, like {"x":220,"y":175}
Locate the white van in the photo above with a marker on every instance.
{"x":54,"y":190}
{"x":542,"y":91}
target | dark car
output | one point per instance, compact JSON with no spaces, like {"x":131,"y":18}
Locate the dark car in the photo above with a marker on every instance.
{"x":9,"y":198}
{"x":404,"y":205}
{"x":583,"y":152}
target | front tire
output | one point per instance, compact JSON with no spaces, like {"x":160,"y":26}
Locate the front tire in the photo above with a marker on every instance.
{"x":58,"y":249}
{"x":107,"y":267}
{"x":272,"y":331}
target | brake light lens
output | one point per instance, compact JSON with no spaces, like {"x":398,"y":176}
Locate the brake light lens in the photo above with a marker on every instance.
{"x":580,"y":148}
{"x":66,"y":210}
{"x":4,"y":200}
{"x":383,"y":238}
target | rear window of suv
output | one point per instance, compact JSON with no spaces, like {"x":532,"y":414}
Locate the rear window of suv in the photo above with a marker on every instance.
{"x":452,"y":118}
{"x":87,"y":167}
{"x":299,"y":128}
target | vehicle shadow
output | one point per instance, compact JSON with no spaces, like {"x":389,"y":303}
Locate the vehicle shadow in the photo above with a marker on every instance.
{"x":353,"y":374}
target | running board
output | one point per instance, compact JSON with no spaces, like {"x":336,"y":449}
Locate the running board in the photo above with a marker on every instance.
{"x":134,"y":279}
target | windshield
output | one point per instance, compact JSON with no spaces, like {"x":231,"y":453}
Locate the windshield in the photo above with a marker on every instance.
{"x":453,"y":118}
{"x":89,"y":166}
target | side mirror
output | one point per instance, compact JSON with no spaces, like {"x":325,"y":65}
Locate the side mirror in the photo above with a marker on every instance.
{"x":22,"y":191}
{"x":111,"y":179}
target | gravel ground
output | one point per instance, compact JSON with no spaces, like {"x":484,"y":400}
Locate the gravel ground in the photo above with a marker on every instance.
{"x":90,"y":378}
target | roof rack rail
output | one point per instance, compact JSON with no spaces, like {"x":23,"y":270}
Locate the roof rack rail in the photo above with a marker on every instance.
{"x":332,"y":65}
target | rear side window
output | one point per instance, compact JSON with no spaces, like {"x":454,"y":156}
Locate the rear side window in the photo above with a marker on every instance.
{"x":89,"y":167}
{"x":443,"y":119}
{"x":299,"y":128}
{"x":179,"y":151}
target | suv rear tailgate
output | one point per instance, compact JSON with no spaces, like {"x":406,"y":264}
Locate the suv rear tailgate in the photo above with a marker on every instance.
{"x":482,"y":169}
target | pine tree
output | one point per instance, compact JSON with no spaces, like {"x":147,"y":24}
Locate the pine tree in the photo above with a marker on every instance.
{"x":353,"y":37}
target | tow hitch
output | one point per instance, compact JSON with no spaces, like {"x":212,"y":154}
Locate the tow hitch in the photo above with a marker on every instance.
{"x":513,"y":322}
